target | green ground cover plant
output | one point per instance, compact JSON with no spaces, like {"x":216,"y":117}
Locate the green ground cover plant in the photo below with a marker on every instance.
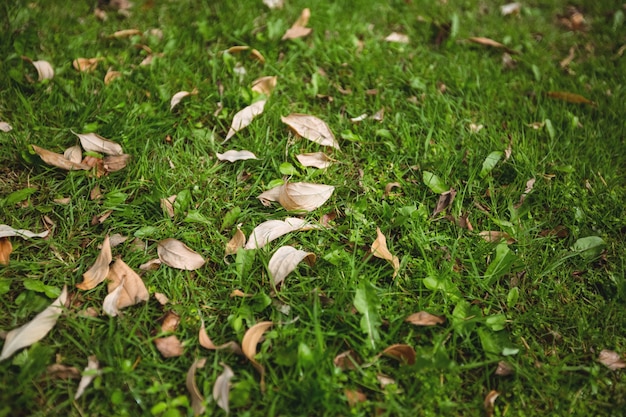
{"x":491,"y":162}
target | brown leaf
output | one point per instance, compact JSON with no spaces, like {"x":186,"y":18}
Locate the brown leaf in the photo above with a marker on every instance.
{"x":311,"y":128}
{"x":273,"y":229}
{"x":244,"y":117}
{"x":95,"y":143}
{"x":197,"y":400}
{"x":60,"y":371}
{"x":529,"y":187}
{"x":403,"y":353}
{"x":238,"y":241}
{"x":494,"y":236}
{"x":91,"y":371}
{"x":170,"y":322}
{"x":504,"y":369}
{"x":285,"y":260}
{"x":354,"y":396}
{"x":239,"y":293}
{"x":299,"y":196}
{"x":125,"y":287}
{"x":176,"y":98}
{"x":379,"y":250}
{"x":316,"y":159}
{"x":611,"y":360}
{"x":167,"y":205}
{"x":299,"y":29}
{"x":125,"y":33}
{"x":569,"y":97}
{"x":250,"y":340}
{"x":347,"y":360}
{"x":425,"y":319}
{"x":489,"y":402}
{"x":86,"y":64}
{"x":491,"y":43}
{"x":569,"y":58}
{"x":232,"y":155}
{"x":161,"y":298}
{"x":221,"y":389}
{"x":5,"y":250}
{"x":100,"y":269}
{"x":445,"y":201}
{"x":390,"y":186}
{"x":253,"y":52}
{"x":206,"y":342}
{"x":113,"y":163}
{"x":110,"y":76}
{"x":176,"y":254}
{"x":169,"y":347}
{"x":74,"y":154}
{"x":264,"y":85}
{"x":58,"y":160}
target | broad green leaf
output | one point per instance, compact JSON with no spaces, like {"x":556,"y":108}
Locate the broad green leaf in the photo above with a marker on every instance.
{"x":589,"y":247}
{"x":501,"y":264}
{"x":243,"y":261}
{"x":20,"y":195}
{"x":550,"y":128}
{"x":5,"y":286}
{"x":287,"y":169}
{"x":490,"y":163}
{"x":367,"y":303}
{"x":512,"y":297}
{"x":182,"y":202}
{"x":496,"y":322}
{"x":489,"y":342}
{"x":194,"y":216}
{"x":146,"y":231}
{"x":434,"y":182}
{"x":231,"y":217}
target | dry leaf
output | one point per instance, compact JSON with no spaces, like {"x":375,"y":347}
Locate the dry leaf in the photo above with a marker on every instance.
{"x":206,"y":342}
{"x":197,"y":400}
{"x":93,"y":142}
{"x":379,"y":250}
{"x":264,"y":85}
{"x":379,"y":115}
{"x":354,"y":397}
{"x":5,"y":127}
{"x":504,"y":369}
{"x":5,"y":250}
{"x":100,"y":269}
{"x":384,"y":380}
{"x":110,"y":76}
{"x":253,"y":52}
{"x":239,"y":293}
{"x":248,"y":345}
{"x":238,"y":241}
{"x":58,"y":160}
{"x":232,"y":156}
{"x":299,"y":195}
{"x":169,"y":347}
{"x":176,"y":98}
{"x":569,"y":58}
{"x":86,"y":64}
{"x":316,"y":159}
{"x":113,"y":163}
{"x":299,"y":29}
{"x":489,"y":402}
{"x":494,"y":236}
{"x":167,"y":205}
{"x":397,"y":37}
{"x":88,"y":375}
{"x":359,"y":118}
{"x":425,"y":319}
{"x":510,"y":8}
{"x":347,"y":360}
{"x":403,"y":353}
{"x":151,"y":265}
{"x":44,"y":70}
{"x":285,"y":260}
{"x":390,"y":186}
{"x":244,"y":117}
{"x":273,"y":229}
{"x":74,"y":154}
{"x":125,"y":287}
{"x":126,"y":33}
{"x":491,"y":43}
{"x":445,"y":201}
{"x":529,"y":187}
{"x":161,"y":298}
{"x":8,"y":231}
{"x":60,"y":371}
{"x":170,"y":322}
{"x":569,"y":97}
{"x":221,"y":389}
{"x":274,"y":4}
{"x":311,"y":128}
{"x":611,"y":360}
{"x":34,"y":330}
{"x":176,"y":254}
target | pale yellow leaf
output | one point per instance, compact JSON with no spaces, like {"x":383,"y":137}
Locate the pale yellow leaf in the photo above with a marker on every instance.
{"x":206,"y":342}
{"x":44,"y":70}
{"x":74,"y":154}
{"x":221,"y":389}
{"x":133,"y":290}
{"x":100,"y":269}
{"x":273,"y":229}
{"x":126,"y":33}
{"x":161,"y":298}
{"x":424,"y":319}
{"x":264,"y":85}
{"x":248,"y":345}
{"x":296,"y":32}
{"x":8,"y":231}
{"x":315,"y":159}
{"x":58,"y":160}
{"x":95,"y":143}
{"x":169,"y":347}
{"x":397,"y":37}
{"x":197,"y":400}
{"x":311,"y":128}
{"x":176,"y":254}
{"x":232,"y":155}
{"x":379,"y":250}
{"x":176,"y":98}
{"x":611,"y":360}
{"x":5,"y":127}
{"x":299,"y":196}
{"x":88,"y":375}
{"x":285,"y":260}
{"x":358,"y":118}
{"x":34,"y":330}
{"x":244,"y":117}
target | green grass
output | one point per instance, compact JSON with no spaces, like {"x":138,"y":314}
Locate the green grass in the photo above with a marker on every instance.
{"x":551,"y":313}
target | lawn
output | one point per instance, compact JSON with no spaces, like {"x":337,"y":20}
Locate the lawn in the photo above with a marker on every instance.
{"x":461,"y":251}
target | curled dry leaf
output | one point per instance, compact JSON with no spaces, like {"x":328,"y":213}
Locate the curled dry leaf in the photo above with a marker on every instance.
{"x":206,"y":342}
{"x":445,"y":201}
{"x":530,"y":184}
{"x":8,"y":231}
{"x":74,"y":154}
{"x":379,"y":250}
{"x":232,"y":156}
{"x":176,"y":98}
{"x":316,"y":159}
{"x":264,"y":85}
{"x":244,"y":117}
{"x":60,"y":371}
{"x":311,"y":128}
{"x":494,"y":236}
{"x":489,"y":402}
{"x":504,"y":369}
{"x":423,"y":318}
{"x":170,"y":322}
{"x":128,"y":287}
{"x":611,"y":360}
{"x":58,"y":160}
{"x":176,"y":254}
{"x":491,"y":43}
{"x":273,"y":229}
{"x":5,"y":127}
{"x":299,"y":29}
{"x":90,"y":372}
{"x":274,"y":4}
{"x":86,"y":64}
{"x":169,"y":347}
{"x":510,"y":8}
{"x":125,"y":33}
{"x":253,"y":52}
{"x":100,"y":269}
{"x":354,"y":396}
{"x":238,"y":241}
{"x":390,"y":186}
{"x":569,"y":97}
{"x":239,"y":293}
{"x":197,"y":400}
{"x":403,"y":353}
{"x":250,"y":340}
{"x":167,"y":205}
{"x":298,"y":196}
{"x":285,"y":260}
{"x":397,"y":37}
{"x":34,"y":330}
{"x":151,"y":265}
{"x":5,"y":250}
{"x":347,"y":360}
{"x":221,"y":389}
{"x":113,"y":163}
{"x":95,"y":143}
{"x":110,"y":76}
{"x":44,"y":70}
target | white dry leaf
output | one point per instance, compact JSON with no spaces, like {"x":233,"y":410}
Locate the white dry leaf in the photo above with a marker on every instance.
{"x":125,"y":33}
{"x":397,"y":37}
{"x":232,"y":155}
{"x":90,"y":372}
{"x":474,"y":128}
{"x":126,"y":288}
{"x":8,"y":231}
{"x":316,"y":159}
{"x":176,"y":98}
{"x":244,"y":117}
{"x":611,"y":360}
{"x":34,"y":330}
{"x":273,"y":229}
{"x":285,"y":260}
{"x":176,"y":254}
{"x":510,"y":8}
{"x":264,"y":85}
{"x":93,"y":142}
{"x":379,"y":250}
{"x":311,"y":128}
{"x":248,"y":344}
{"x":44,"y":70}
{"x":274,"y":4}
{"x":221,"y":389}
{"x":58,"y":160}
{"x":197,"y":400}
{"x":5,"y":127}
{"x":298,"y":196}
{"x":100,"y":269}
{"x":74,"y":154}
{"x":359,"y":118}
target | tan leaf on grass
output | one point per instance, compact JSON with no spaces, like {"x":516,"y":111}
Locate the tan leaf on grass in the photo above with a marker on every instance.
{"x":161,"y":298}
{"x":316,"y":159}
{"x":100,"y":269}
{"x":489,"y":402}
{"x":95,"y":143}
{"x":176,"y":98}
{"x":253,"y":52}
{"x":170,"y":322}
{"x":44,"y":70}
{"x":390,"y":186}
{"x":60,"y":371}
{"x":611,"y":360}
{"x":504,"y":369}
{"x":274,"y":4}
{"x":354,"y":396}
{"x":296,"y":196}
{"x":529,"y":187}
{"x":379,"y":250}
{"x":238,"y":241}
{"x":113,"y":163}
{"x":244,"y":117}
{"x":125,"y":287}
{"x":8,"y":231}
{"x":58,"y":160}
{"x":5,"y":250}
{"x":273,"y":229}
{"x":311,"y":128}
{"x":169,"y":346}
{"x":494,"y":236}
{"x":400,"y":352}
{"x":110,"y":76}
{"x":90,"y":372}
{"x":74,"y":154}
{"x":423,"y":318}
{"x":239,"y":293}
{"x":299,"y":29}
{"x":221,"y":389}
{"x":569,"y":97}
{"x":206,"y":342}
{"x":176,"y":254}
{"x":232,"y":155}
{"x":491,"y":43}
{"x":197,"y":400}
{"x":445,"y":201}
{"x":397,"y":38}
{"x":167,"y":205}
{"x":248,"y":345}
{"x":86,"y":64}
{"x":347,"y":360}
{"x":510,"y":8}
{"x":34,"y":330}
{"x":125,"y":33}
{"x":285,"y":260}
{"x":151,"y":265}
{"x":264,"y":85}
{"x":5,"y":127}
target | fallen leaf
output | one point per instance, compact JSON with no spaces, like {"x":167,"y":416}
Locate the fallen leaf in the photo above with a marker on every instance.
{"x":510,"y":8}
{"x":8,"y":231}
{"x":273,"y":229}
{"x":44,"y":70}
{"x":100,"y":269}
{"x":232,"y":156}
{"x":379,"y":250}
{"x":611,"y":360}
{"x":299,"y":29}
{"x":347,"y":360}
{"x":161,"y":298}
{"x":529,"y":187}
{"x":74,"y":154}
{"x":34,"y":330}
{"x":125,"y":287}
{"x":474,"y":128}
{"x":569,"y":58}
{"x":206,"y":342}
{"x":125,"y":33}
{"x":493,"y":236}
{"x":60,"y":371}
{"x":167,"y":205}
{"x":264,"y":85}
{"x":569,"y":97}
{"x":5,"y":127}
{"x":238,"y":241}
{"x":113,"y":163}
{"x":354,"y":396}
{"x":379,"y":115}
{"x":221,"y":389}
{"x":239,"y":293}
{"x":400,"y":352}
{"x":397,"y":37}
{"x":285,"y":260}
{"x":316,"y":159}
{"x":274,"y":4}
{"x":244,"y":117}
{"x":170,"y":322}
{"x":197,"y":400}
{"x":491,"y":43}
{"x":489,"y":402}
{"x":93,"y":142}
{"x":110,"y":76}
{"x":169,"y":347}
{"x":253,"y":52}
{"x":445,"y":201}
{"x":296,"y":196}
{"x":176,"y":98}
{"x":176,"y":254}
{"x":423,"y":318}
{"x":86,"y":64}
{"x":90,"y":372}
{"x":5,"y":250}
{"x":311,"y":128}
{"x":58,"y":160}
{"x":248,"y":345}
{"x":151,"y":265}
{"x":384,"y":380}
{"x":359,"y":118}
{"x":504,"y":369}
